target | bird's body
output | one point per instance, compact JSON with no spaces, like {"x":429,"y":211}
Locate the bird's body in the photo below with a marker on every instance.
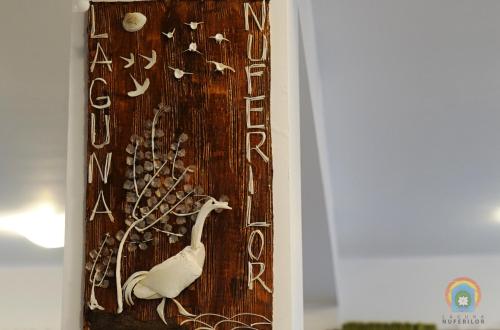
{"x":169,"y":278}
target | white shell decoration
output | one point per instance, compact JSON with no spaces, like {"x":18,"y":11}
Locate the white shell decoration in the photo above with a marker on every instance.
{"x":139,"y":89}
{"x":130,"y":61}
{"x":193,"y":47}
{"x":133,"y":22}
{"x":221,"y":67}
{"x":170,"y":35}
{"x":193,"y":25}
{"x":151,"y":60}
{"x":219,"y":38}
{"x":178,"y":73}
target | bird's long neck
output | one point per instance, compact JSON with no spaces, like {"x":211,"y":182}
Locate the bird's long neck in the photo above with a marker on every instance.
{"x":197,"y":230}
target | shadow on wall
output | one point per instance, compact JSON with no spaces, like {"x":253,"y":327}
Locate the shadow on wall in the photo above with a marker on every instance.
{"x":319,"y":288}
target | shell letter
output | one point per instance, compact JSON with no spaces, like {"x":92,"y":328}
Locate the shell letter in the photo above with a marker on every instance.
{"x":133,"y":22}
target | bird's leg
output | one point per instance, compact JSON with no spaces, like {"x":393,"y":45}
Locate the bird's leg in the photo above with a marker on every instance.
{"x":161,"y":310}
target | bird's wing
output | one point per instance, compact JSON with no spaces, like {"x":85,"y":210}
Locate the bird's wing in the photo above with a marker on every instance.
{"x":143,"y":292}
{"x":229,"y":68}
{"x":173,"y":275}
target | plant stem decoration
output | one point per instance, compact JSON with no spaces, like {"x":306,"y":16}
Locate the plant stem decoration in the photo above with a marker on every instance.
{"x":100,"y":268}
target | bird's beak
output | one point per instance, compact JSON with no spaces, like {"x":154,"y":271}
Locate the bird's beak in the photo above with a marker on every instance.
{"x":224,"y":205}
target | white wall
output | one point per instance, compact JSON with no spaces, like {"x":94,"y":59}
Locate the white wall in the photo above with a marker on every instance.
{"x":411,"y":110}
{"x":411,"y":135}
{"x":34,"y":66}
{"x":30,"y":297}
{"x":413,"y":289}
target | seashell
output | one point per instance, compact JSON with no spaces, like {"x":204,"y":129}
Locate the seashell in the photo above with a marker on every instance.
{"x":133,"y":22}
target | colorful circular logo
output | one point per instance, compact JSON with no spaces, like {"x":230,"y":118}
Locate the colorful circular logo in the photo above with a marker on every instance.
{"x":463,"y":295}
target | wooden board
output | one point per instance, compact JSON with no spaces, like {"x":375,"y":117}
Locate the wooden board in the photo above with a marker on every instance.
{"x":210,"y":107}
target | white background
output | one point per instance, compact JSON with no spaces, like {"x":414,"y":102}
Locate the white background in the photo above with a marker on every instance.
{"x":409,"y":116}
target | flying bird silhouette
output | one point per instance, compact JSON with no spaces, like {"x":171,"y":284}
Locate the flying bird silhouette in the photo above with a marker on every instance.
{"x":151,"y":60}
{"x":193,"y":48}
{"x":170,"y":35}
{"x":221,"y":67}
{"x":219,"y":38}
{"x":193,"y":25}
{"x":130,"y":61}
{"x":178,"y":73}
{"x":139,"y":89}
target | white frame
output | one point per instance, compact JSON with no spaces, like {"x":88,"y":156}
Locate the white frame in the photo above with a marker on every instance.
{"x":288,"y":300}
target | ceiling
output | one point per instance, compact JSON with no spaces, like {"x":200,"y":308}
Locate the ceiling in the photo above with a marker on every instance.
{"x":411,"y":115}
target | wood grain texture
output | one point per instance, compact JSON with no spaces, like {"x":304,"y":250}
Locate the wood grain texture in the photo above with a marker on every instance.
{"x":210,"y":108}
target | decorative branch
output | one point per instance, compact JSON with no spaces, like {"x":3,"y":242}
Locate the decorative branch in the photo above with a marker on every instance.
{"x":157,"y":188}
{"x":99,"y":268}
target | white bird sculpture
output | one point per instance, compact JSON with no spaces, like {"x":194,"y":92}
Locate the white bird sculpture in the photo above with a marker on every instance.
{"x":178,"y":73}
{"x":130,"y":61}
{"x":172,"y":276}
{"x":219,"y":38}
{"x":193,"y":25}
{"x":151,"y":60}
{"x":170,"y":35}
{"x":139,"y":89}
{"x":221,"y":67}
{"x":193,"y":48}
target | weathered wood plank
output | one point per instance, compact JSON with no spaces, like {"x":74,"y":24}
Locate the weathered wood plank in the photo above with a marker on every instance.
{"x":210,"y":108}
